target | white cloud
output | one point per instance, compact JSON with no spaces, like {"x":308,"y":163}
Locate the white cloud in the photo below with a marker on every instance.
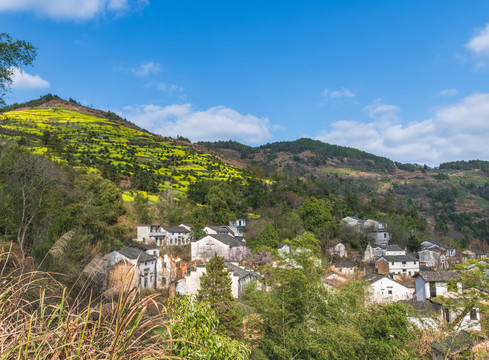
{"x":70,"y":9}
{"x":455,"y":132}
{"x":448,"y":92}
{"x":24,"y":81}
{"x":216,"y":123}
{"x":146,"y":69}
{"x":380,"y":111}
{"x":336,"y":94}
{"x":169,"y":88}
{"x":479,"y":44}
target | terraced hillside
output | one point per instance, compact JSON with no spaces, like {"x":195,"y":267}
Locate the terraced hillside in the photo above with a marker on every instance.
{"x":121,"y":151}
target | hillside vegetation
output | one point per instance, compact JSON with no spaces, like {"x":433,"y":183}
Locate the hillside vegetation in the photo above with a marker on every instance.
{"x":67,"y":132}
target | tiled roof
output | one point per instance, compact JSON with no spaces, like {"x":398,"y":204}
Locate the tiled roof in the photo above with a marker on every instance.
{"x":176,"y":229}
{"x":462,"y":341}
{"x":425,"y":307}
{"x":438,"y":276}
{"x":240,"y":272}
{"x":229,"y":240}
{"x":393,"y":248}
{"x":134,"y":253}
{"x":398,"y":258}
{"x":373,"y":277}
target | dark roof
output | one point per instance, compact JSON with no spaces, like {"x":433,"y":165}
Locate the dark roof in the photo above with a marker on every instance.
{"x":229,"y":240}
{"x":425,"y":307}
{"x":373,"y":277}
{"x":147,"y":246}
{"x":393,"y":248}
{"x":462,"y":341}
{"x":397,"y":258}
{"x":438,"y":276}
{"x":346,"y":264}
{"x":219,"y":228}
{"x":439,"y":243}
{"x":424,"y":268}
{"x":135,"y":253}
{"x":241,"y":273}
{"x":176,"y":229}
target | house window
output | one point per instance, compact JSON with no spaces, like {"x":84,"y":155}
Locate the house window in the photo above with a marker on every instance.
{"x":415,"y":262}
{"x":385,"y":235}
{"x":473,"y":314}
{"x":393,"y":263}
{"x":389,"y":292}
{"x":404,"y":263}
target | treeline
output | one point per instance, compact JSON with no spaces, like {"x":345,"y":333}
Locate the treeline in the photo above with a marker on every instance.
{"x":466,"y":165}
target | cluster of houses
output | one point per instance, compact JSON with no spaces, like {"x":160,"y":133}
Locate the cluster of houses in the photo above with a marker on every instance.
{"x":419,"y":280}
{"x":143,"y":265}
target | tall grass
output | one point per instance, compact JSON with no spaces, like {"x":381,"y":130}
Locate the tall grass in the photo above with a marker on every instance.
{"x":38,"y":321}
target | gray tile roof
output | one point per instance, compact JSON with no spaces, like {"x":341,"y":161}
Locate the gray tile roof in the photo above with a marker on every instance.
{"x":438,"y":276}
{"x":439,"y":244}
{"x":462,"y":341}
{"x":393,"y":248}
{"x":373,"y":277}
{"x":425,"y":307}
{"x":229,"y":240}
{"x":240,"y":272}
{"x":398,"y":258}
{"x":134,"y":253}
{"x":176,"y":229}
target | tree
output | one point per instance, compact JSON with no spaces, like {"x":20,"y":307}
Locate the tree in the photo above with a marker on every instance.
{"x":197,"y":324}
{"x":215,"y":290}
{"x":222,"y":202}
{"x":315,"y":214}
{"x":26,"y":180}
{"x":267,"y":239}
{"x":13,"y":56}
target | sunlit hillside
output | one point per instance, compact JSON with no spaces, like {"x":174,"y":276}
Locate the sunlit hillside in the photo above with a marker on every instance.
{"x":136,"y":158}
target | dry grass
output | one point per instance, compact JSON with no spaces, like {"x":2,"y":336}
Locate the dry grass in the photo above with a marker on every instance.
{"x":37,"y":321}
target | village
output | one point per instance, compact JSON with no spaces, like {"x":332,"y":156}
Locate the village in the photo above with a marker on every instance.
{"x":422,"y":280}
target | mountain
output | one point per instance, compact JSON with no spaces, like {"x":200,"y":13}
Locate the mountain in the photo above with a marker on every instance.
{"x":65,"y":131}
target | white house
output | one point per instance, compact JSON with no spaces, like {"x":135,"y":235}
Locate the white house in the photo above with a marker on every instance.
{"x":397,"y":265}
{"x":374,"y":229}
{"x":386,"y":290}
{"x":238,"y":227}
{"x":240,"y":277}
{"x":433,"y":244}
{"x":340,"y":250}
{"x":133,"y":267}
{"x":163,"y":235}
{"x":436,"y":283}
{"x":377,"y":231}
{"x":229,"y":247}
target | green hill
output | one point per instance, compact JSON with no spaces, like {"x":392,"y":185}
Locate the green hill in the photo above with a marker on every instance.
{"x":67,"y":132}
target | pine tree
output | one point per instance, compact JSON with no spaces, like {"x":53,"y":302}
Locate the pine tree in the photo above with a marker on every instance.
{"x":267,"y":239}
{"x":215,"y":289}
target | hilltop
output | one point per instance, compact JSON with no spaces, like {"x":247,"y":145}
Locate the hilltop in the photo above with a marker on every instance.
{"x":133,"y":157}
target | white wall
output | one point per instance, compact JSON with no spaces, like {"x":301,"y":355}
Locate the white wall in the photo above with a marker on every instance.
{"x":143,"y":233}
{"x":381,"y":288}
{"x":206,"y":247}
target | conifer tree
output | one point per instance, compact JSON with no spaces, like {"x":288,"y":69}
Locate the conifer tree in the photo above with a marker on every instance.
{"x":215,"y":290}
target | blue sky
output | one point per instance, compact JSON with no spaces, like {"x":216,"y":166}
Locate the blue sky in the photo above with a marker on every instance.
{"x":406,"y":80}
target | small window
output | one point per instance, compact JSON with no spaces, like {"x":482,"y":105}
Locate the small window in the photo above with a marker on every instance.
{"x":473,"y":314}
{"x":385,"y":235}
{"x":404,"y":263}
{"x":393,"y":263}
{"x":389,"y":292}
{"x":415,"y":262}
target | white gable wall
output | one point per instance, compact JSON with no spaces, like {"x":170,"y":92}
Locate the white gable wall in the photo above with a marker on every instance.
{"x":387,"y":290}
